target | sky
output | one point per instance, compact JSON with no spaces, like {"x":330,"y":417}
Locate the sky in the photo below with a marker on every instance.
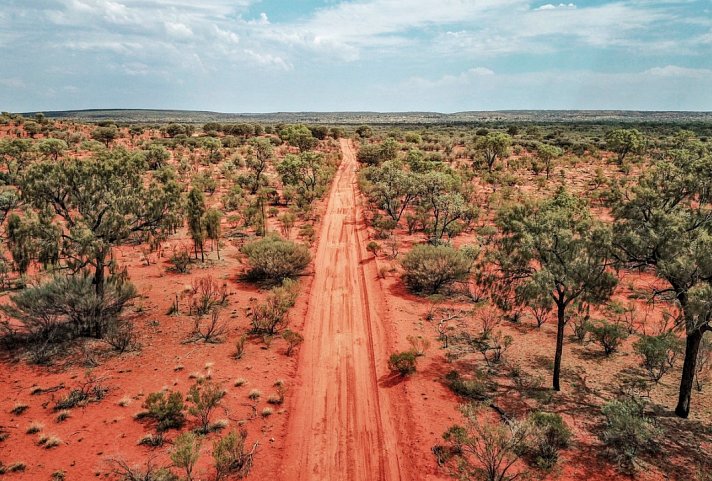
{"x":356,"y":55}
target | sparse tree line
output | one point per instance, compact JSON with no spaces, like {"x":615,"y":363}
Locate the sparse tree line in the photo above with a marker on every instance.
{"x":550,"y":255}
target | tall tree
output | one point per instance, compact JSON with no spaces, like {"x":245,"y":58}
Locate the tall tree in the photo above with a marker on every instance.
{"x":553,"y":252}
{"x":664,"y":223}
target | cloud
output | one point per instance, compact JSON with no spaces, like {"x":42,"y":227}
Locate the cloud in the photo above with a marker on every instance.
{"x":550,"y":6}
{"x":675,"y":71}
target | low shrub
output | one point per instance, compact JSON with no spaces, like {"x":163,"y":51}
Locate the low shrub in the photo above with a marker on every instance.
{"x":429,"y":269}
{"x":549,"y":434}
{"x":627,"y":431}
{"x":476,"y":389}
{"x":658,"y":353}
{"x":403,"y":363}
{"x":274,"y":259}
{"x":166,"y":409}
{"x":608,"y":335}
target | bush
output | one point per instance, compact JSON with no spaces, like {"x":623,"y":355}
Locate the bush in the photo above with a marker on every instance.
{"x":272,"y":313}
{"x":166,"y":409}
{"x":476,"y":389}
{"x":402,"y":362}
{"x":204,"y":398}
{"x":274,"y":259}
{"x":608,"y":335}
{"x":68,"y":307}
{"x":230,"y":456}
{"x":658,"y":353}
{"x":549,"y":435}
{"x":430,"y":268}
{"x":293,"y":340}
{"x":627,"y":431}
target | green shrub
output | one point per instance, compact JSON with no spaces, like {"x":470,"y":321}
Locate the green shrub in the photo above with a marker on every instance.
{"x":608,"y":335}
{"x":274,"y":259}
{"x":166,"y":409}
{"x":431,"y":268}
{"x":402,"y":362}
{"x":627,"y":431}
{"x":658,"y":353}
{"x":68,"y":307}
{"x":231,"y":457}
{"x":549,"y":435}
{"x":476,"y":389}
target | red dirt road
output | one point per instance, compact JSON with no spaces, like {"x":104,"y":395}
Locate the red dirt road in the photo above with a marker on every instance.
{"x":341,"y":422}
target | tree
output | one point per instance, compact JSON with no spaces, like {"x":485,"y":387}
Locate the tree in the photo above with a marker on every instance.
{"x":553,"y":251}
{"x":305,"y":171}
{"x":299,"y":136}
{"x":390,"y":188}
{"x":665,"y":224}
{"x":261,"y":155}
{"x":624,"y":141}
{"x":547,"y":153}
{"x":439,"y":193}
{"x":105,"y":134}
{"x":212,"y":226}
{"x":492,"y":146}
{"x":195,"y":212}
{"x":16,"y":154}
{"x":102,"y":201}
{"x":52,"y":148}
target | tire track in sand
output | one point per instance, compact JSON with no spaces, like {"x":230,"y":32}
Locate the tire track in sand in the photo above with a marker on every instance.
{"x":341,"y":424}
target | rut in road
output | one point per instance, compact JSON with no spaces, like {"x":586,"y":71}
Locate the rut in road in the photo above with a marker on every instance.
{"x":340,"y":421}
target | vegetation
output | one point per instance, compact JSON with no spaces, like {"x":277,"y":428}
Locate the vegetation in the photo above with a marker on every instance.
{"x":274,"y":259}
{"x":429,"y":269}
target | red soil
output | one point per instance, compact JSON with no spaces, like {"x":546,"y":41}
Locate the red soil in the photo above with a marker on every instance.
{"x":342,"y":420}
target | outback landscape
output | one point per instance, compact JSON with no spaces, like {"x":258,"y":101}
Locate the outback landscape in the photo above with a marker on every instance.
{"x":480,"y":298}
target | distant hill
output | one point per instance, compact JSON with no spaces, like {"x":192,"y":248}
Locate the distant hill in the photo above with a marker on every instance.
{"x":355,"y":118}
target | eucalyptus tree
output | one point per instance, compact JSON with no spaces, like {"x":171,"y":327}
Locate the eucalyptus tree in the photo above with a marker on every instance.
{"x":624,"y":142}
{"x":492,"y":146}
{"x":664,"y":223}
{"x":101,"y":202}
{"x":552,"y":252}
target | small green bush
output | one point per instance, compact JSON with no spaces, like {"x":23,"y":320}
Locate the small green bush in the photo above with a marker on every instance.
{"x":166,"y":409}
{"x":627,"y":431}
{"x":476,"y":389}
{"x":658,"y":353}
{"x":608,"y":335}
{"x":402,"y":362}
{"x":429,"y":268}
{"x":274,"y":259}
{"x":549,"y":435}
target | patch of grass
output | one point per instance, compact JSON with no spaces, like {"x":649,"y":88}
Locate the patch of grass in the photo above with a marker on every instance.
{"x":124,"y":401}
{"x":254,"y":394}
{"x":152,"y":440}
{"x":19,"y":408}
{"x":240,"y":382}
{"x":34,"y":428}
{"x":266,"y":412}
{"x":63,"y":416}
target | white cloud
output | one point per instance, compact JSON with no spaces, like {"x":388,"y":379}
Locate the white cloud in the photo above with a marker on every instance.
{"x":675,"y":71}
{"x":550,"y":6}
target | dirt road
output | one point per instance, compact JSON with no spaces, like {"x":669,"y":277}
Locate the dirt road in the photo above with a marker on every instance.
{"x":341,"y":423}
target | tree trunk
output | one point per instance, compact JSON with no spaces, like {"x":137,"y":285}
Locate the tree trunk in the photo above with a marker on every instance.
{"x":561,"y":317}
{"x":99,"y":281}
{"x":692,"y":348}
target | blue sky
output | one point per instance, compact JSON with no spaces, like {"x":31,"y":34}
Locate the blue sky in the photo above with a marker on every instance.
{"x":330,"y":55}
